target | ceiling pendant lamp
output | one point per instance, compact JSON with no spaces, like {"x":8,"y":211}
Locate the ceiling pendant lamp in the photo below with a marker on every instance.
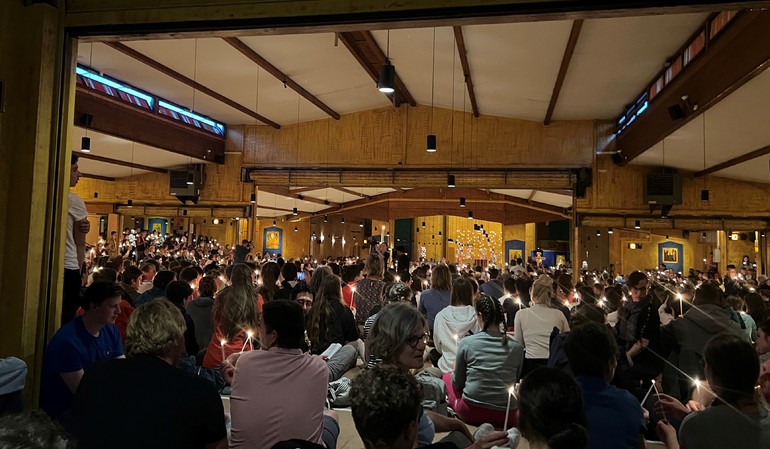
{"x":431,"y":145}
{"x":130,"y":203}
{"x":273,"y":222}
{"x":85,"y":144}
{"x":470,"y":215}
{"x":610,"y":231}
{"x":342,"y":220}
{"x":637,"y":225}
{"x":294,"y":211}
{"x":190,"y":178}
{"x":253,"y":198}
{"x":423,"y":224}
{"x":295,"y":229}
{"x":326,"y":218}
{"x":387,"y":78}
{"x":387,"y":81}
{"x":462,"y":201}
{"x":450,"y":181}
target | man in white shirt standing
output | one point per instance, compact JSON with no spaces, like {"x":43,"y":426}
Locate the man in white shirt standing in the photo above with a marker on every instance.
{"x":77,"y":227}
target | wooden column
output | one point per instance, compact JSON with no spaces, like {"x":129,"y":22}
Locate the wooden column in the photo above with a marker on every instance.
{"x":34,"y":176}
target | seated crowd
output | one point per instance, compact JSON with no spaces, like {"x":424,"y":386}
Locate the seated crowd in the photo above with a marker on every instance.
{"x":183,"y":343}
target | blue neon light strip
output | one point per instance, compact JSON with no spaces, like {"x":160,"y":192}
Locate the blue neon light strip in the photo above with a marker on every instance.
{"x":644,"y":106}
{"x":108,"y":82}
{"x":191,"y":115}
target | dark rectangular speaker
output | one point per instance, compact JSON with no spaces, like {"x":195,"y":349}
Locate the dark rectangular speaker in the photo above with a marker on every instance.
{"x":663,"y":188}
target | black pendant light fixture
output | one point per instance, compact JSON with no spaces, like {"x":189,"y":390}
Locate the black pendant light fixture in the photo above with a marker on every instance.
{"x":387,"y":81}
{"x":294,"y":211}
{"x":130,"y":203}
{"x":342,"y":220}
{"x":190,"y":178}
{"x":470,"y":215}
{"x":273,"y":222}
{"x":462,"y":201}
{"x":450,"y":181}
{"x":85,"y":144}
{"x":295,"y":229}
{"x":423,"y":224}
{"x":431,"y":146}
{"x":637,"y":225}
{"x":326,"y":218}
{"x":253,"y":198}
{"x":610,"y":231}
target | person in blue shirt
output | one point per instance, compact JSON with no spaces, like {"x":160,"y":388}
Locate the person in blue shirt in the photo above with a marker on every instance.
{"x":615,"y":418}
{"x":80,"y":343}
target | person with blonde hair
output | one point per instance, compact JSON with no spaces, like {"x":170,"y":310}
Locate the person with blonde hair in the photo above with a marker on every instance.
{"x":533,"y":325}
{"x":190,"y":413}
{"x":235,"y":314}
{"x":370,"y":291}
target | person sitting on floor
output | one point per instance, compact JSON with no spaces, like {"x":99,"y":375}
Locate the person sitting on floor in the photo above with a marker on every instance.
{"x":199,"y":310}
{"x":235,"y":316}
{"x":735,"y":419}
{"x":453,"y":323}
{"x":551,"y":411}
{"x":487,"y":363}
{"x":398,"y":338}
{"x":180,"y":294}
{"x":288,"y":397}
{"x":79,"y":344}
{"x":329,"y":322}
{"x":158,"y":290}
{"x":386,"y":408}
{"x":615,"y":418}
{"x":166,"y":407}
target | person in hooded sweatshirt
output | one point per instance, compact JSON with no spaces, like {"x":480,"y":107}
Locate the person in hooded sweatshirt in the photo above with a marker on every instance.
{"x":455,"y":322}
{"x":689,"y":334}
{"x":200,"y":308}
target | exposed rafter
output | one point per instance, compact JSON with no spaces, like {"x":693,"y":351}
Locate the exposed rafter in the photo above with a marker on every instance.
{"x":364,"y":48}
{"x":120,"y":119}
{"x":108,"y":160}
{"x":734,"y":161}
{"x":531,"y":196}
{"x":276,"y":72}
{"x":736,"y":55}
{"x":192,"y":83}
{"x":462,"y":50}
{"x":99,"y":177}
{"x":285,"y":191}
{"x":352,"y":192}
{"x":577,"y":25}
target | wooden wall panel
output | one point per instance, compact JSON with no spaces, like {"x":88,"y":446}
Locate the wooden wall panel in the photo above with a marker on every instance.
{"x":627,"y":260}
{"x":622,"y":189}
{"x":461,"y":229}
{"x":396,"y":137}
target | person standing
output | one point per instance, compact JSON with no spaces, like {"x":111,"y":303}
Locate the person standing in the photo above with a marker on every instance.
{"x":75,"y":246}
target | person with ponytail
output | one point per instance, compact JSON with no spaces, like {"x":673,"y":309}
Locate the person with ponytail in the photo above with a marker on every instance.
{"x":551,"y":411}
{"x":533,"y":326}
{"x":487,"y":364}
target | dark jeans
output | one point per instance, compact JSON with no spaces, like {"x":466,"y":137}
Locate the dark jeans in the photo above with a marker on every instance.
{"x":71,"y":294}
{"x":531,"y":364}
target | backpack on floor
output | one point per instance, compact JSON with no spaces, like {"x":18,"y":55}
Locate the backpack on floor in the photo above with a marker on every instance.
{"x":434,"y":393}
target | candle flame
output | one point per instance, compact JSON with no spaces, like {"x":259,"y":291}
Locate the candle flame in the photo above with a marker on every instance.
{"x":222,"y":342}
{"x":511,"y":391}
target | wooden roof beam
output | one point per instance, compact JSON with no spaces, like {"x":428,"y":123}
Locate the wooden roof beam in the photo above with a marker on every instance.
{"x":364,"y":48}
{"x":734,"y":161}
{"x":466,"y":68}
{"x":108,"y":160}
{"x":353,"y":192}
{"x":276,"y":72}
{"x":128,"y":51}
{"x":577,"y":25}
{"x":99,"y":177}
{"x":285,"y":191}
{"x":736,"y":55}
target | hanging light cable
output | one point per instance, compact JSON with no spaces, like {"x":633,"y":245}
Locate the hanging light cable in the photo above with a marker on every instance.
{"x":431,"y":146}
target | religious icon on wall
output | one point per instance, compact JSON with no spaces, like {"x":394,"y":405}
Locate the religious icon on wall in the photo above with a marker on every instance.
{"x":539,"y":259}
{"x":156,"y":227}
{"x":272,"y":240}
{"x":514,"y":254}
{"x":671,"y":255}
{"x":561,"y":260}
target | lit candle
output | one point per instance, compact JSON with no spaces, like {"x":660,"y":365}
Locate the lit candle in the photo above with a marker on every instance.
{"x":508,"y":408}
{"x":455,"y":337}
{"x":222,"y":344}
{"x":250,"y":334}
{"x":681,"y":305}
{"x":696,"y":382}
{"x":648,"y":393}
{"x":658,"y":395}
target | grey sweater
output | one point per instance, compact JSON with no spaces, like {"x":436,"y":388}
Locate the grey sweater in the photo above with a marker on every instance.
{"x":485,"y":370}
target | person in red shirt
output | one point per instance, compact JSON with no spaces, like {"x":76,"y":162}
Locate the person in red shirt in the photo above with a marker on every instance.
{"x":350,"y":275}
